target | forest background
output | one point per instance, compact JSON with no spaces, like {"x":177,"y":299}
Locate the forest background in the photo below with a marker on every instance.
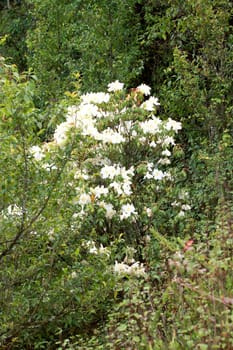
{"x":77,"y":273}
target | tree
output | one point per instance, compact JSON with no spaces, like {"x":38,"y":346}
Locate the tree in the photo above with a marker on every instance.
{"x":52,"y":45}
{"x":109,"y":43}
{"x":15,"y":21}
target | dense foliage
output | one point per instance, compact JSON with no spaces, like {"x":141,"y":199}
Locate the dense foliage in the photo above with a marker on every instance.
{"x":116,"y":207}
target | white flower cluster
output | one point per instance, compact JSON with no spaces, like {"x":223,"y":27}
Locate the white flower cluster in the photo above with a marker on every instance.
{"x":181,"y":205}
{"x":110,"y":171}
{"x":173,"y":125}
{"x":124,"y":178}
{"x":127,"y":210}
{"x":99,"y":192}
{"x":84,"y":117}
{"x":115,"y":86}
{"x":151,"y":126}
{"x":154,"y":173}
{"x":105,"y":118}
{"x":37,"y":152}
{"x":13,"y":211}
{"x":110,"y":211}
{"x":144,"y":89}
{"x":95,"y":97}
{"x":136,"y":269}
{"x":84,"y":198}
{"x":150,"y":104}
{"x":91,"y":246}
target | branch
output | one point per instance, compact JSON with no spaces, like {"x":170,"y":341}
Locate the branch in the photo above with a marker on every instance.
{"x":24,"y":229}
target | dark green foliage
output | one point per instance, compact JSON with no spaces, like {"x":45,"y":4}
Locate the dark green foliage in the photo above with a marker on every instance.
{"x":53,"y":295}
{"x":109,"y":43}
{"x":52,"y":46}
{"x":15,"y":22}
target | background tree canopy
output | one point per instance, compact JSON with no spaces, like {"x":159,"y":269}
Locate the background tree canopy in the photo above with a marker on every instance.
{"x":57,"y":286}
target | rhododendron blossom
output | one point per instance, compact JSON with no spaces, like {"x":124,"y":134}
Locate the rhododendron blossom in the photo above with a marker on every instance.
{"x":151,"y":126}
{"x":144,"y":89}
{"x":100,"y":191}
{"x":84,"y":199}
{"x":95,"y":97}
{"x":136,"y":269}
{"x":110,"y":211}
{"x":150,"y":104}
{"x":60,"y":135}
{"x":173,"y":125}
{"x":127,"y":210}
{"x":37,"y":152}
{"x":115,"y":86}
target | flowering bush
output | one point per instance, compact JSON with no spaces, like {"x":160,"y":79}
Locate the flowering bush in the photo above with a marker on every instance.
{"x":121,"y":175}
{"x":76,"y":206}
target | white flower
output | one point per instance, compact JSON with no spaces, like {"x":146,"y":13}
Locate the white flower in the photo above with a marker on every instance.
{"x":144,"y":89}
{"x":149,"y":105}
{"x":37,"y":152}
{"x":49,"y":167}
{"x":173,"y":125}
{"x":99,"y":191}
{"x":60,"y":134}
{"x":93,"y":250}
{"x":110,"y":211}
{"x":127,"y":210}
{"x":125,"y":127}
{"x":151,"y":126}
{"x":185,"y":207}
{"x":164,"y":161}
{"x":148,"y":175}
{"x":117,"y":187}
{"x":90,"y":245}
{"x":127,"y":188}
{"x":183,"y":195}
{"x":73,"y":274}
{"x":150,"y":166}
{"x":181,"y":214}
{"x":153,"y":144}
{"x":82,"y":117}
{"x":115,"y":86}
{"x":148,"y":212}
{"x":127,"y":173}
{"x":175,"y":204}
{"x":143,"y":139}
{"x":120,"y":267}
{"x":169,"y":140}
{"x":155,"y":174}
{"x":166,"y":153}
{"x":95,"y":97}
{"x":136,"y":269}
{"x":158,"y":174}
{"x":14,"y":210}
{"x":110,"y":136}
{"x":84,"y":199}
{"x":81,"y":175}
{"x":110,"y":171}
{"x":88,"y":109}
{"x":103,"y":250}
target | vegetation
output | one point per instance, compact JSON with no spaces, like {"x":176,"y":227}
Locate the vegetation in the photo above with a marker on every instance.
{"x":116,"y":189}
